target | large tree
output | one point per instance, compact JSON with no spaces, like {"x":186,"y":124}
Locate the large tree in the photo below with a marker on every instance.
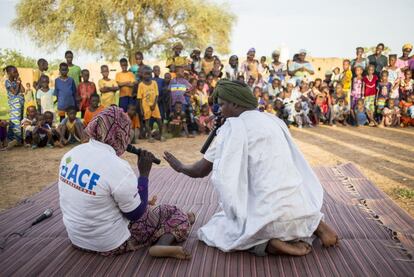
{"x":121,"y":27}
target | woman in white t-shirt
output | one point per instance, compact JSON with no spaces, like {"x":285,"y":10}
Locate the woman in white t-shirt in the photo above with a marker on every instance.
{"x":105,"y":208}
{"x":232,"y":68}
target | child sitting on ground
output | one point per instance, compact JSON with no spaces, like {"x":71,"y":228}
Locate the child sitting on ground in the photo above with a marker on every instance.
{"x":300,"y":117}
{"x":42,"y":133}
{"x":341,"y":112}
{"x":205,"y":121}
{"x":407,"y":111}
{"x":269,"y":109}
{"x":362,"y":115}
{"x":28,"y":124}
{"x":85,"y":91}
{"x":391,"y":115}
{"x":178,"y":121}
{"x":148,"y":101}
{"x":94,"y":108}
{"x":71,"y":128}
{"x":135,"y":123}
{"x":322,"y":109}
{"x":48,"y":117}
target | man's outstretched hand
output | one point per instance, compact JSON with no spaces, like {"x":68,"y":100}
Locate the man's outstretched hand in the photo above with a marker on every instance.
{"x":145,"y":163}
{"x":173,"y":161}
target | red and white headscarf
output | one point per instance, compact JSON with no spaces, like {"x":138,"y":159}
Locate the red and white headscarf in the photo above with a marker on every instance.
{"x":111,"y":126}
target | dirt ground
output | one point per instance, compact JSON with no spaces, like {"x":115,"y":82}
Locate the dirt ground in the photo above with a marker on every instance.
{"x":385,"y":156}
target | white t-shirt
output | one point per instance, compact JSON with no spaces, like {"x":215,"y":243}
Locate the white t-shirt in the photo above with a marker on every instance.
{"x":95,"y":185}
{"x":46,"y":100}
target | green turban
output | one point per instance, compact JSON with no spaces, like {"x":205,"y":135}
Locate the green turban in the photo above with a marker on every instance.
{"x":235,"y":92}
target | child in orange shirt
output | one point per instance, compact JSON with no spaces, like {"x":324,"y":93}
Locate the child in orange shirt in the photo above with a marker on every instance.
{"x":126,"y":82}
{"x":94,"y":108}
{"x":135,"y":123}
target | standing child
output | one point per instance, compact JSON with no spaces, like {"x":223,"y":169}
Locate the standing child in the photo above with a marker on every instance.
{"x":196,"y":61}
{"x":93,"y":109}
{"x":29,"y":99}
{"x":85,"y":90}
{"x":28,"y":124}
{"x":74,"y":71}
{"x":65,"y":91}
{"x":383,"y":94}
{"x":165,"y":100}
{"x":160,"y":84}
{"x":107,"y":87}
{"x":357,"y":86}
{"x":135,"y":123}
{"x":42,"y":67}
{"x":4,"y":119}
{"x":148,"y":101}
{"x":346,"y":80}
{"x":139,"y":62}
{"x":179,"y":86}
{"x":71,"y":128}
{"x":44,"y":95}
{"x":336,"y":77}
{"x":370,"y":88}
{"x":15,"y":92}
{"x":126,"y":82}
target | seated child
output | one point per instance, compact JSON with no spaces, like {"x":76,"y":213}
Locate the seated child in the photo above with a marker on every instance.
{"x":178,"y":121}
{"x":391,"y":114}
{"x":42,"y":133}
{"x":148,"y":101}
{"x":300,"y":117}
{"x":49,"y":120}
{"x":205,"y":121}
{"x":407,"y":111}
{"x":93,"y":109}
{"x":135,"y":123}
{"x":269,"y":109}
{"x":340,"y":112}
{"x":322,"y":111}
{"x":71,"y":128}
{"x":362,"y":115}
{"x":278,"y":107}
{"x":28,"y":124}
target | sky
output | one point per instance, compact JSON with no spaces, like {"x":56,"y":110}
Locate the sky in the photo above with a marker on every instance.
{"x":325,"y":28}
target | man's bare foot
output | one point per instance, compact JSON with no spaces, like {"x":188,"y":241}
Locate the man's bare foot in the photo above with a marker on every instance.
{"x":278,"y":247}
{"x":162,"y":251}
{"x":191,"y":217}
{"x":327,"y":235}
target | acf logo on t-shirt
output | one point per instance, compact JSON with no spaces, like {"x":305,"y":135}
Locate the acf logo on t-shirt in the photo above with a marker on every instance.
{"x":82,"y":179}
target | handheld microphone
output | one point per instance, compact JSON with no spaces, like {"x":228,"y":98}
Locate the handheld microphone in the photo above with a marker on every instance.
{"x":46,"y":214}
{"x":137,"y":151}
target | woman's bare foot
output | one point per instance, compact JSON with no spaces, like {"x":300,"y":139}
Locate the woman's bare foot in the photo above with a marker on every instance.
{"x":278,"y":247}
{"x":327,"y":235}
{"x":191,"y":217}
{"x":162,"y":251}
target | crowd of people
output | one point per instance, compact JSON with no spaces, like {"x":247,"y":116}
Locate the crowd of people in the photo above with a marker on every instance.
{"x":376,"y":90}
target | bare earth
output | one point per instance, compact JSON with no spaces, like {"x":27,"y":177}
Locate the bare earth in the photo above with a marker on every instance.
{"x":385,"y":156}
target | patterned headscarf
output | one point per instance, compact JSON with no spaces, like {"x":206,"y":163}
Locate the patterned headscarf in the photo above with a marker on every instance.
{"x":111,"y":126}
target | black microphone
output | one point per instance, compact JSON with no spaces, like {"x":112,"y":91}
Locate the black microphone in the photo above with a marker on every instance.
{"x":137,"y":151}
{"x":46,"y":214}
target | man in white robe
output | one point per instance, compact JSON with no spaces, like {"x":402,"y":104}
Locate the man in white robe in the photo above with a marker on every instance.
{"x":270,"y":197}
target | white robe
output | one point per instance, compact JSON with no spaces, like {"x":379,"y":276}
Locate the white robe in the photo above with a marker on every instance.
{"x":266,"y":188}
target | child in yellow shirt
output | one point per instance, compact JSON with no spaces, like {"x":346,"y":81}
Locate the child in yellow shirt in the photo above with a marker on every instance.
{"x":107,"y":87}
{"x":148,"y":101}
{"x":346,"y":80}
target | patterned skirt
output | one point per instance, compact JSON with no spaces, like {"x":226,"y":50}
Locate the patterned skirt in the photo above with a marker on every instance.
{"x":154,"y":223}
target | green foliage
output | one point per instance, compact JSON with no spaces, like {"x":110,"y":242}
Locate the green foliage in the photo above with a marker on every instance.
{"x":405,"y":193}
{"x":117,"y":28}
{"x":14,"y":57}
{"x":371,"y":50}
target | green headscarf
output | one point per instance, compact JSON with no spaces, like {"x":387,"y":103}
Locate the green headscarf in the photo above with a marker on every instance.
{"x":235,"y":92}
